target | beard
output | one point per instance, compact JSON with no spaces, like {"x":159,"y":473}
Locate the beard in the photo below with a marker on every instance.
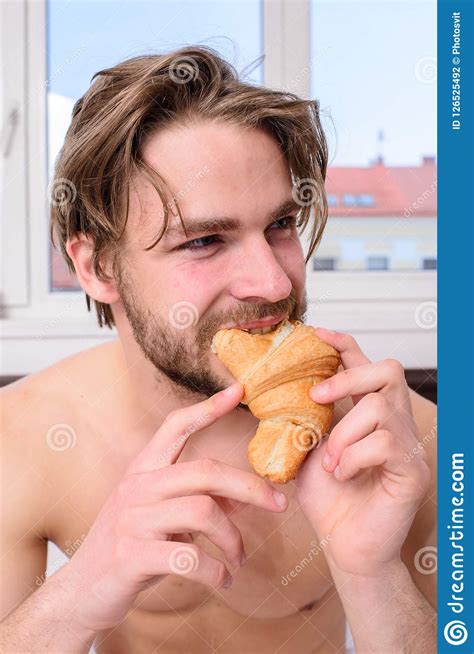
{"x":182,"y":353}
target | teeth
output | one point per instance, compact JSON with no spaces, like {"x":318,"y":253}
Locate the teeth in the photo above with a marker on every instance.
{"x":263,"y":330}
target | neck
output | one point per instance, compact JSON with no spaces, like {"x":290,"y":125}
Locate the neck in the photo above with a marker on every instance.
{"x":147,"y":397}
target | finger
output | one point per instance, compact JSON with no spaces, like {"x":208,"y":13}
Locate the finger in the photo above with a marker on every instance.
{"x":196,"y":513}
{"x":209,"y":477}
{"x":346,"y":345}
{"x":368,"y":378}
{"x":370,"y":414}
{"x":183,"y":537}
{"x":377,"y":449}
{"x":230,"y":507}
{"x":170,"y":439}
{"x":152,"y":558}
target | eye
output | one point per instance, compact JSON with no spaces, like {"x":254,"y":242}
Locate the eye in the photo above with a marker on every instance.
{"x":204,"y":242}
{"x":198,"y":243}
{"x":290,"y":222}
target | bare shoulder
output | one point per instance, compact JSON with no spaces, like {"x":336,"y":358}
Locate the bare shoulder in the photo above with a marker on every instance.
{"x":40,"y":414}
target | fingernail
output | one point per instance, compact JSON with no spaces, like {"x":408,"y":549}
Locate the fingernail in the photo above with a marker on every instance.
{"x":337,"y":472}
{"x":230,"y":390}
{"x":228,"y":582}
{"x":327,"y":460}
{"x":320,"y":390}
{"x":280,"y":498}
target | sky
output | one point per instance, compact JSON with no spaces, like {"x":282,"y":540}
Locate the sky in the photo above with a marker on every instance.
{"x":375,"y":70}
{"x":372,"y":63}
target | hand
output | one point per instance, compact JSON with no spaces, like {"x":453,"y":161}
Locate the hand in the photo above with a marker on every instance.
{"x":133,"y":542}
{"x":361,"y":489}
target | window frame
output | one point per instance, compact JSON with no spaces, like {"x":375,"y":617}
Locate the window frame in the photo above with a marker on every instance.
{"x":60,"y":318}
{"x":15,"y":291}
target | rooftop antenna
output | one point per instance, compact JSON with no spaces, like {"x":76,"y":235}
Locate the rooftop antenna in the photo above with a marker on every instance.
{"x":380,"y":140}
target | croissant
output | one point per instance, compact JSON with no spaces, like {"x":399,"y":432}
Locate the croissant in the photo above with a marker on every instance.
{"x":277,"y":370}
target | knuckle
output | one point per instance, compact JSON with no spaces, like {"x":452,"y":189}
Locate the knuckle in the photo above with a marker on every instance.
{"x":386,"y":439}
{"x":171,"y":418}
{"x":208,"y":467}
{"x":126,"y":489}
{"x":346,"y":459}
{"x":259,"y":488}
{"x":206,"y":508}
{"x":126,"y":553}
{"x":377,"y":402}
{"x":122,"y":522}
{"x":394,"y":367}
{"x":347,"y":341}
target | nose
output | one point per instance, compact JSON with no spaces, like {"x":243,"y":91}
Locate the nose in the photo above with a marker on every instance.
{"x":259,"y":275}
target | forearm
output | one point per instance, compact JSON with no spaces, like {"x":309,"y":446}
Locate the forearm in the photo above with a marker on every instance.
{"x":46,"y":621}
{"x":387,"y":613}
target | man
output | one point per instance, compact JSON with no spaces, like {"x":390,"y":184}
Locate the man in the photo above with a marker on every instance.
{"x":135,"y":453}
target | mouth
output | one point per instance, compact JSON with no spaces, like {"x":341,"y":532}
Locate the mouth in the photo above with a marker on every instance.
{"x":263,"y":326}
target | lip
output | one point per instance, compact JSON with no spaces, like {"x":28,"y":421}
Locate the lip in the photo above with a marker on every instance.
{"x":256,"y":324}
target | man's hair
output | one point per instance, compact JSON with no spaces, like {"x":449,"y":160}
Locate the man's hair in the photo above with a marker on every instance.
{"x":101,"y":153}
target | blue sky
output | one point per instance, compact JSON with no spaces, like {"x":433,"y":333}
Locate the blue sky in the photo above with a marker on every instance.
{"x":372,"y":63}
{"x":375,"y":70}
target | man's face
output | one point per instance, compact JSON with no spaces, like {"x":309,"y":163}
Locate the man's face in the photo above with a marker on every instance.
{"x":178,"y":294}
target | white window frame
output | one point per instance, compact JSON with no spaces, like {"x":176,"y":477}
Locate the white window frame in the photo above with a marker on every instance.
{"x":13,"y":232}
{"x":60,"y":320}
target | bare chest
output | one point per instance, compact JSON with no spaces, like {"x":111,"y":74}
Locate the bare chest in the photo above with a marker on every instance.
{"x":285,"y":568}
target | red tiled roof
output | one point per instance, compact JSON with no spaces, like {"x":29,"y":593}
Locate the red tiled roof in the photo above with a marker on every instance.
{"x":396,"y":190}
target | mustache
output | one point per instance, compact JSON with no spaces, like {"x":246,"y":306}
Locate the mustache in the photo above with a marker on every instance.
{"x":286,"y":306}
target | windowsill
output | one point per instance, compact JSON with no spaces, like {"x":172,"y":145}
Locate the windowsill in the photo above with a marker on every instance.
{"x":44,"y":328}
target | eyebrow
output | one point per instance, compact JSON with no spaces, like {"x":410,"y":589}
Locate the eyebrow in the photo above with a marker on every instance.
{"x":226,"y":224}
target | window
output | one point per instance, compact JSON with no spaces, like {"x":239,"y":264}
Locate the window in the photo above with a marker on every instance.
{"x":381,"y":163}
{"x":84,"y":37}
{"x":377,"y":263}
{"x":430,"y":264}
{"x":366,"y":200}
{"x":324,"y":263}
{"x":349,"y":200}
{"x":379,"y":154}
{"x":362,"y":199}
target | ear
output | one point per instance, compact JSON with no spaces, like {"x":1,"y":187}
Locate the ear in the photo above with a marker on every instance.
{"x":80,"y":248}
